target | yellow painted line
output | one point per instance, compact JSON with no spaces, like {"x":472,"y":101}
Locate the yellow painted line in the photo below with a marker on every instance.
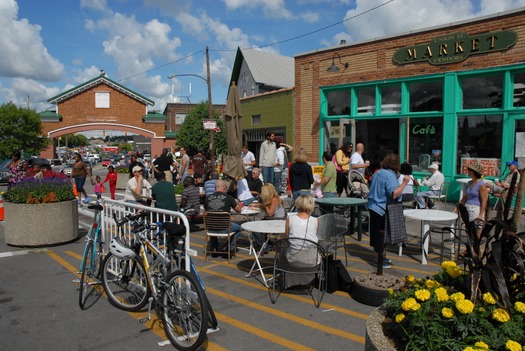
{"x":155,"y":325}
{"x":284,"y":315}
{"x":262,"y":333}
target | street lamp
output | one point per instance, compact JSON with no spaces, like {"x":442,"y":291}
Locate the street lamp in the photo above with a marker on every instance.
{"x":210,"y":105}
{"x":333,"y":68}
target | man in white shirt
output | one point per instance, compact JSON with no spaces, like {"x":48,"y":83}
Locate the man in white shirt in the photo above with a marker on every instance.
{"x":434,"y":183}
{"x":281,"y":170}
{"x":135,"y":187}
{"x":248,"y":160}
{"x":268,"y":158}
{"x":356,"y":161}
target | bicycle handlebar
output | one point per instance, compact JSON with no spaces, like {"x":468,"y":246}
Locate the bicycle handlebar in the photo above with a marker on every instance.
{"x":129,"y":217}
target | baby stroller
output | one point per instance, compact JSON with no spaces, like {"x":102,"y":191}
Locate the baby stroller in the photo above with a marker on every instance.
{"x":357,"y":186}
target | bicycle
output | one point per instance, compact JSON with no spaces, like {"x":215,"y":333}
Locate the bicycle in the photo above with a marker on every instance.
{"x":92,"y":257}
{"x":130,"y":282}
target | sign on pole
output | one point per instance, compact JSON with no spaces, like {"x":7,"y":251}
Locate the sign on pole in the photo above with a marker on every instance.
{"x":209,"y":124}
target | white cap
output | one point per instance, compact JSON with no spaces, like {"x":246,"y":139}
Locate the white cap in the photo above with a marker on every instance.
{"x":136,"y":169}
{"x":433,"y":166}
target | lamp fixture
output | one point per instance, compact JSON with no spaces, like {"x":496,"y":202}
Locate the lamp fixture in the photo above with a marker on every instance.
{"x":333,"y":68}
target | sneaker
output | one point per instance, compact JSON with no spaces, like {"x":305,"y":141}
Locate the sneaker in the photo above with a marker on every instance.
{"x":386,"y":265}
{"x":387,"y":260}
{"x":86,"y":200}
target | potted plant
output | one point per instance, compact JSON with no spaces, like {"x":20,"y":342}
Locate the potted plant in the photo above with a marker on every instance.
{"x":480,"y":308}
{"x":41,"y":212}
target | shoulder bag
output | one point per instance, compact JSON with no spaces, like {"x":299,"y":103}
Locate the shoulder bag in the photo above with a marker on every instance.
{"x":395,"y":228}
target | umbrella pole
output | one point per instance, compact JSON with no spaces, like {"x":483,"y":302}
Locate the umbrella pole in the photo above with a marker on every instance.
{"x":210,"y":109}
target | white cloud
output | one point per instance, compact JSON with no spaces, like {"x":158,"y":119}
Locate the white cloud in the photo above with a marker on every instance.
{"x":310,"y":16}
{"x":99,"y":5}
{"x":490,"y":6}
{"x":23,"y":51}
{"x":22,"y":88}
{"x":275,"y":9}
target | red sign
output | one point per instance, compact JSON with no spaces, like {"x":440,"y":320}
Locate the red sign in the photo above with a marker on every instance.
{"x":491,"y":166}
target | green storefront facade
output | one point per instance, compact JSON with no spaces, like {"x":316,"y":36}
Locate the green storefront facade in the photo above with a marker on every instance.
{"x":457,"y":98}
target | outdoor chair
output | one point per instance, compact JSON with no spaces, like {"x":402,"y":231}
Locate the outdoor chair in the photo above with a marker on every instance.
{"x":217,"y":225}
{"x":331,"y":231}
{"x":298,"y":262}
{"x":442,"y":196}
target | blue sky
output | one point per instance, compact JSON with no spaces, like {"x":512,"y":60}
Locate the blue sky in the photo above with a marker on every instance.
{"x":53,"y":45}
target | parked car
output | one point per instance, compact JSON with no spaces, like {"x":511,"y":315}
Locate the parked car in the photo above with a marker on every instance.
{"x":4,"y":172}
{"x":106,"y":162}
{"x":57,"y":165}
{"x":68,"y":168}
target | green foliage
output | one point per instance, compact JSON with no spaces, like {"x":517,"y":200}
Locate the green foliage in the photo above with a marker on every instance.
{"x":36,"y":191}
{"x":125,"y":147}
{"x":74,"y":141}
{"x":179,"y":188}
{"x":20,"y":129}
{"x":192,"y":135}
{"x":437,"y":314}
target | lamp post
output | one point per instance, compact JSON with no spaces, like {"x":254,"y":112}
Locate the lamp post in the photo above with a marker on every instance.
{"x":210,"y":105}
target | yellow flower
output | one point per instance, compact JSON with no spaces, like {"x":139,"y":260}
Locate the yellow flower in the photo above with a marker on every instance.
{"x":447,"y":264}
{"x":469,"y":348}
{"x":430,"y":284}
{"x":390,"y":291}
{"x":408,"y":303}
{"x":481,"y":346}
{"x":457,"y":296}
{"x":447,"y":312}
{"x":512,"y":345}
{"x":441,"y":294}
{"x":400,"y":317}
{"x":465,"y":306}
{"x":410,"y":278}
{"x":415,"y":307}
{"x":520,"y":307}
{"x":501,"y":315}
{"x":489,"y":299}
{"x":454,"y":272}
{"x":422,"y":295}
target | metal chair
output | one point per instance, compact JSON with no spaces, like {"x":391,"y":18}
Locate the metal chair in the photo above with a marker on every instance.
{"x":443,"y":192}
{"x":331,"y":231}
{"x":298,"y":262}
{"x":217,"y":225}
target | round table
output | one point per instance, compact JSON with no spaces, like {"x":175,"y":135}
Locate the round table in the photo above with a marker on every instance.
{"x":426,"y":216}
{"x":347,"y":202}
{"x":271,"y":226}
{"x":463,"y":182}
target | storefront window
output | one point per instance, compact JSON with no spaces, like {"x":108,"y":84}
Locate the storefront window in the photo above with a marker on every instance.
{"x":425,"y":140}
{"x":519,"y":89}
{"x":482,"y":92}
{"x":427,"y":96}
{"x":338,"y":103}
{"x":366,"y":100}
{"x":391,"y":99}
{"x":479,"y":139}
{"x":380,"y":137}
{"x":336,"y":133}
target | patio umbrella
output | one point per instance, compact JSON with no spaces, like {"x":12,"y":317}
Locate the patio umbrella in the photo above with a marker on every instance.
{"x":233,"y":166}
{"x":37,"y":161}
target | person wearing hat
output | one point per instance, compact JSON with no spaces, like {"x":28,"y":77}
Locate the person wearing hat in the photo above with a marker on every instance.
{"x":434,"y":183}
{"x":500,"y":187}
{"x":134,"y":187}
{"x":476,"y":197}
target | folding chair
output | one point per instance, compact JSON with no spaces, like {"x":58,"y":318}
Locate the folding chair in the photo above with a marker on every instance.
{"x":298,"y":262}
{"x":217,"y":225}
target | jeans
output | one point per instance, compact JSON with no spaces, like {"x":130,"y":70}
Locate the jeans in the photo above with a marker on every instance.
{"x":423,"y":195}
{"x":297,"y":193}
{"x":234,"y":227}
{"x":268,"y":174}
{"x":277,"y":181}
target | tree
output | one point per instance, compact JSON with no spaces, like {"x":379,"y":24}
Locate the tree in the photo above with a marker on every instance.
{"x":192,"y":135}
{"x":20,"y":129}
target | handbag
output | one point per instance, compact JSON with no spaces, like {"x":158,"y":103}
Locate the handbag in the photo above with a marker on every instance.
{"x":395,"y":228}
{"x":337,"y":167}
{"x":337,"y":277}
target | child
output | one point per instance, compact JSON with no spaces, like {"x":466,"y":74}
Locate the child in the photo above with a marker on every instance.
{"x":111,"y":177}
{"x":98,"y":188}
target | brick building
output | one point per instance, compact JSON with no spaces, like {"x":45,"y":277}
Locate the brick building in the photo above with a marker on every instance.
{"x":450,"y":94}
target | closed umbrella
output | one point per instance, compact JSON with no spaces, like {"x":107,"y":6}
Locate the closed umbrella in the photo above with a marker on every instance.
{"x":233,"y":166}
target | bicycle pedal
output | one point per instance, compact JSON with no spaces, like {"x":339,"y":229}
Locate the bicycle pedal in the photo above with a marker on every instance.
{"x":76,"y":281}
{"x":143,"y":320}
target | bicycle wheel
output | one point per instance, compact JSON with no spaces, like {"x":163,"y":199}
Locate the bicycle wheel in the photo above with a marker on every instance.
{"x":125,"y":282}
{"x":184,"y":312}
{"x":212,"y":320}
{"x":87,"y":276}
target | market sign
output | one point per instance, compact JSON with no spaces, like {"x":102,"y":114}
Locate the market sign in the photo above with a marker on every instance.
{"x":453,"y":48}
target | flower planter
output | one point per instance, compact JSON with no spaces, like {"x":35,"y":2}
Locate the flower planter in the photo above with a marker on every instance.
{"x":34,"y":225}
{"x":375,"y":338}
{"x":122,"y":180}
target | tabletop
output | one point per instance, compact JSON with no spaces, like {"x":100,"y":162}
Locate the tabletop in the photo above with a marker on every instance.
{"x":271,"y":226}
{"x":430,"y":215}
{"x":463,"y":180}
{"x":249,"y":211}
{"x":341,"y":201}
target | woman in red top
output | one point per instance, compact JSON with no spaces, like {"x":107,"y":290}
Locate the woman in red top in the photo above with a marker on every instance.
{"x":111,"y":178}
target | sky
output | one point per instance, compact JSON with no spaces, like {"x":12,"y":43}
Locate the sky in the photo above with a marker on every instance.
{"x":50,"y":46}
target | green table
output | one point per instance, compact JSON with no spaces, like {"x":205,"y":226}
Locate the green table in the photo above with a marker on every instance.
{"x":351,"y":202}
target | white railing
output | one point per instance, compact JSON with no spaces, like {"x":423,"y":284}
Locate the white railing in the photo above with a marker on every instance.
{"x":120,"y":209}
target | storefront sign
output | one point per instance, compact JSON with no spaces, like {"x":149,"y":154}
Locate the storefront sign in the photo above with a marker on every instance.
{"x":423,"y":129}
{"x":455,"y":47}
{"x":318,"y":170}
{"x":491,"y":166}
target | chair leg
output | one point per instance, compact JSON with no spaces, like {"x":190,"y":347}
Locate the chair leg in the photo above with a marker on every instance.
{"x":206,"y":248}
{"x":344,"y":248}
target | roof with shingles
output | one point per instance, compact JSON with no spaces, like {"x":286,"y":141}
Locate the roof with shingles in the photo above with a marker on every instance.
{"x":101,"y":79}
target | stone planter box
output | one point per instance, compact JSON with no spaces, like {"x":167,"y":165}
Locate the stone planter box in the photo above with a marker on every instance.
{"x":375,"y":339}
{"x":35,"y":225}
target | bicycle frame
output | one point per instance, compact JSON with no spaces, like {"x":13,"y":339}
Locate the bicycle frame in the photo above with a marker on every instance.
{"x":93,"y":235}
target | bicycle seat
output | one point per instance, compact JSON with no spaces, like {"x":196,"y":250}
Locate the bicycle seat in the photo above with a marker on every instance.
{"x":97,"y":207}
{"x":174,"y":229}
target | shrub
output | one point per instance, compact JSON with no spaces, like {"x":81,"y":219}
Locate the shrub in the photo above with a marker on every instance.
{"x":37,"y":191}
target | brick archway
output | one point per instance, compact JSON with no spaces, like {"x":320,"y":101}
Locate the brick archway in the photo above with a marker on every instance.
{"x":103,"y":104}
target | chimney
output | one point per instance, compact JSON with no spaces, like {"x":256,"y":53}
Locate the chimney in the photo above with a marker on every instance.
{"x":343,"y":42}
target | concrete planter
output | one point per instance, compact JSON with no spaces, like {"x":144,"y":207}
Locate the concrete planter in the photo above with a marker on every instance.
{"x":34,"y":225}
{"x":375,"y":339}
{"x":122,"y":180}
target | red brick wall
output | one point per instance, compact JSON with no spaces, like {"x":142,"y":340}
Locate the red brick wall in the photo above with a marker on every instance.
{"x":372,"y":61}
